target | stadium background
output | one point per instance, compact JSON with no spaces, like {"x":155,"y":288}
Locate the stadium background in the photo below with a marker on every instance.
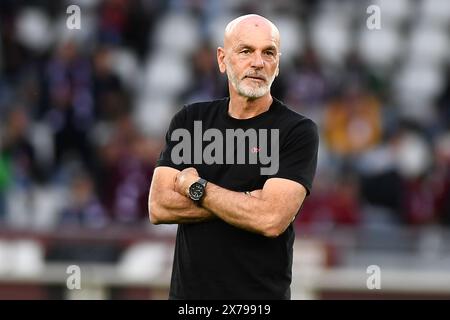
{"x":83,"y":114}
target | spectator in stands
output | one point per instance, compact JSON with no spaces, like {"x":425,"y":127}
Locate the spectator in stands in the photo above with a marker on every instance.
{"x":307,"y":87}
{"x":84,"y":208}
{"x":106,"y":87}
{"x":19,"y":169}
{"x":127,"y":161}
{"x":352,"y":122}
{"x":441,"y":179}
{"x":68,"y":95}
{"x":208,"y":84}
{"x":335,"y":202}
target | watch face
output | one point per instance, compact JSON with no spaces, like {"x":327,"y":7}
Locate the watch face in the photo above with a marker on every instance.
{"x":196,"y":191}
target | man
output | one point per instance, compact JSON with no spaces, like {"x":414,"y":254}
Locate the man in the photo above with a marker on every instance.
{"x":234,"y":205}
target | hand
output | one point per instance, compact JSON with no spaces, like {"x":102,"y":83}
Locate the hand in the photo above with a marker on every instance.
{"x":184,"y":179}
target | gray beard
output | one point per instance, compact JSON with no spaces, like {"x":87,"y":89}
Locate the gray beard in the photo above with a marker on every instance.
{"x":247,"y":91}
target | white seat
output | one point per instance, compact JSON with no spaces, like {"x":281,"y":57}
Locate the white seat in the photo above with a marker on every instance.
{"x":435,"y":12}
{"x":48,"y":202}
{"x":177,"y":32}
{"x":216,"y":29}
{"x":153,"y":114}
{"x":394,"y":12}
{"x":416,"y":85}
{"x":27,"y":258}
{"x":18,"y":209}
{"x":429,"y":44}
{"x":413,"y":156}
{"x":5,"y":257}
{"x":41,"y":137}
{"x":24,"y":258}
{"x":125,"y":65}
{"x":143,"y":261}
{"x":420,"y":80}
{"x":167,"y":73}
{"x":34,"y":29}
{"x":379,"y":48}
{"x":292,"y":39}
{"x":331,"y":38}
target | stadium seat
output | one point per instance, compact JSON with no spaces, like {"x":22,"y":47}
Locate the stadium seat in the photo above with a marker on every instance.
{"x":416,"y":85}
{"x":330,"y":38}
{"x":125,"y":65}
{"x":177,"y":33}
{"x":379,"y":48}
{"x":436,"y":12}
{"x":5,"y":257}
{"x":166,"y":73}
{"x":27,"y":258}
{"x":393,"y":13}
{"x":429,"y":44}
{"x":34,"y":29}
{"x":293,"y":40}
{"x":143,"y":261}
{"x":153,"y":113}
{"x":216,"y":27}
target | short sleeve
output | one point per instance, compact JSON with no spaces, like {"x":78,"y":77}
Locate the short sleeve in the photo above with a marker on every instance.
{"x":165,"y":159}
{"x":298,"y":154}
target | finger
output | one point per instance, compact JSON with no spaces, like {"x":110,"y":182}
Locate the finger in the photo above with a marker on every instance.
{"x":192,"y":170}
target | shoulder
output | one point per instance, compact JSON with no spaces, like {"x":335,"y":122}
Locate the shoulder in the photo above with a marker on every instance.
{"x":202,"y":106}
{"x":197,"y":110}
{"x":294,"y":120}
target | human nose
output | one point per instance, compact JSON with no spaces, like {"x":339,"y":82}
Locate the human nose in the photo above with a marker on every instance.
{"x":257,"y":60}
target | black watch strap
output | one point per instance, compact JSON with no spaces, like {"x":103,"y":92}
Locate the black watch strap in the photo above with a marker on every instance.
{"x":203,"y":182}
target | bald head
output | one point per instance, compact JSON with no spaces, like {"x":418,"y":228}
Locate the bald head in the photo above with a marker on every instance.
{"x":247,"y":24}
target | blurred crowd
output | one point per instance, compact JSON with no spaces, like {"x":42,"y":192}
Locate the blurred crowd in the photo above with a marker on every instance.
{"x":83,"y":113}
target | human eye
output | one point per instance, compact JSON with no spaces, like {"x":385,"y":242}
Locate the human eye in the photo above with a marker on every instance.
{"x":269,"y":53}
{"x":244,"y":51}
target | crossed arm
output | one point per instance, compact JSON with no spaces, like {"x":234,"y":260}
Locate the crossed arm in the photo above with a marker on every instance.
{"x":268,"y":211}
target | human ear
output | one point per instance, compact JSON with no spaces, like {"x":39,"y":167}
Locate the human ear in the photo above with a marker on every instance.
{"x":221,"y":59}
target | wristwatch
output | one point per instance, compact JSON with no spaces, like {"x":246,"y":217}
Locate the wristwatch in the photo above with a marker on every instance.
{"x":197,"y":189}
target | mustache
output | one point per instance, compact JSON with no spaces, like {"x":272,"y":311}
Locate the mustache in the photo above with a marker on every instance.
{"x":255,"y":75}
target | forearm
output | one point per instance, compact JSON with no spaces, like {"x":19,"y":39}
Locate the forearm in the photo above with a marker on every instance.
{"x":172,"y":207}
{"x":268,"y":213}
{"x":239,"y":209}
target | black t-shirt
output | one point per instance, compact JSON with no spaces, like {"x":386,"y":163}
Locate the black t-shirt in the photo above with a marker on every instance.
{"x":215,"y":260}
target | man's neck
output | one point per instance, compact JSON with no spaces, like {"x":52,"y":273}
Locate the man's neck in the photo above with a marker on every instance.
{"x":245,"y":108}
